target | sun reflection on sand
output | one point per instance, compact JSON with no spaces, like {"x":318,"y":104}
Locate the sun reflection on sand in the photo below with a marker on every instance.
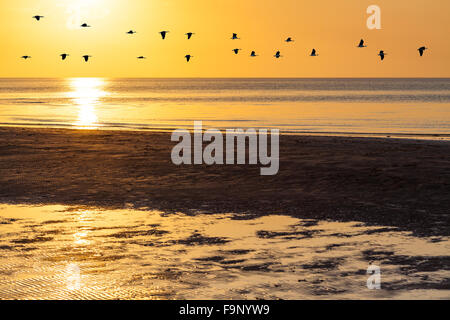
{"x":81,"y":243}
{"x":81,"y":236}
{"x":150,"y":255}
{"x":86,"y":94}
{"x":73,"y":277}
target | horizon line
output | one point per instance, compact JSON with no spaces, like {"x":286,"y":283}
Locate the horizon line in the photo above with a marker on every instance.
{"x":281,"y":78}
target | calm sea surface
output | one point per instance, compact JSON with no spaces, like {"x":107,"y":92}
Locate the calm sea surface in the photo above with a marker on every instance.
{"x":397,"y":107}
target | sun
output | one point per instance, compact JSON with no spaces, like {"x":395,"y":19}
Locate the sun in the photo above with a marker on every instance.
{"x":80,"y":10}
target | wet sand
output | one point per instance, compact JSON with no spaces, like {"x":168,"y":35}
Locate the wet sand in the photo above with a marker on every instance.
{"x":388,"y":182}
{"x":57,"y":252}
{"x":106,"y":215}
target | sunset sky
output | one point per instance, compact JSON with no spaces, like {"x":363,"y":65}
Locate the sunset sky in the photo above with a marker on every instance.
{"x":332,"y":27}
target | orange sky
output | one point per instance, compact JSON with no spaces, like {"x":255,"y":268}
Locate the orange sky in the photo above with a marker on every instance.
{"x":332,"y":27}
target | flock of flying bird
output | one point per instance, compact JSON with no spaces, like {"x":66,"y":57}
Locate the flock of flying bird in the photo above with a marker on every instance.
{"x":189,"y":35}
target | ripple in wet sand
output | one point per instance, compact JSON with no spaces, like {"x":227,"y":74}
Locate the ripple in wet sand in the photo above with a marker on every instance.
{"x":55,"y":252}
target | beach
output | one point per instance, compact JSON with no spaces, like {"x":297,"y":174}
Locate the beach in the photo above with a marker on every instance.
{"x":93,"y":207}
{"x":89,"y":206}
{"x":399,"y":182}
{"x":189,"y":151}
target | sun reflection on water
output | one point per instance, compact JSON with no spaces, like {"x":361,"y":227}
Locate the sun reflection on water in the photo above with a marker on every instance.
{"x":86,"y":94}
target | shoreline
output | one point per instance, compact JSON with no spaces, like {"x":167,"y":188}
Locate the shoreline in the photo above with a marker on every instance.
{"x":403,"y":183}
{"x":380,"y":135}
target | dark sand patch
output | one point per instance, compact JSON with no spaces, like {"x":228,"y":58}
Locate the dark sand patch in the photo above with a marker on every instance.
{"x":211,"y":259}
{"x":287,"y":235}
{"x":7,"y":221}
{"x":32,"y":240}
{"x":420,"y":285}
{"x":409,"y":264}
{"x":329,"y":264}
{"x":391,"y":182}
{"x":237,"y":251}
{"x":197,"y":239}
{"x":138,"y":233}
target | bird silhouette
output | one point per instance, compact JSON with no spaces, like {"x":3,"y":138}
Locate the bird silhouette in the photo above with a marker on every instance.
{"x":163,"y":34}
{"x":382,"y":54}
{"x":253,"y":54}
{"x":26,"y":57}
{"x":86,"y":58}
{"x":236,"y":51}
{"x":189,"y":35}
{"x":313,"y":53}
{"x":278,"y":55}
{"x":361,"y":44}
{"x":235,"y":36}
{"x":141,"y":57}
{"x":289,"y":39}
{"x":131,"y":32}
{"x":85,"y":25}
{"x":38,"y":17}
{"x":188,"y":57}
{"x":422,"y":50}
{"x":64,"y":56}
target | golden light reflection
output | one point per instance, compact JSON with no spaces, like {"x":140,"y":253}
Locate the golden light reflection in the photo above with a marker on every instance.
{"x":86,"y":94}
{"x":73,"y":277}
{"x":81,"y":242}
{"x":81,"y":236}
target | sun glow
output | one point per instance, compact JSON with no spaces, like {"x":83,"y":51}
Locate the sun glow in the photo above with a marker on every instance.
{"x":78,"y":10}
{"x":86,"y":94}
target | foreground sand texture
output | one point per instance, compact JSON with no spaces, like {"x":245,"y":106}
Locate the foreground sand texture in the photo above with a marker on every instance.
{"x":56,"y":252}
{"x":106,"y":215}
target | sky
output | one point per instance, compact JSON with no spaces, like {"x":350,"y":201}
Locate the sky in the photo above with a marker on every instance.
{"x":332,"y":27}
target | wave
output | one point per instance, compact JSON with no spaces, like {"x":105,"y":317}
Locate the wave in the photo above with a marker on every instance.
{"x":362,"y":98}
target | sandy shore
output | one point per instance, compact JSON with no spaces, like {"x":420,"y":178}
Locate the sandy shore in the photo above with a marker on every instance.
{"x":391,"y":182}
{"x":58,"y":252}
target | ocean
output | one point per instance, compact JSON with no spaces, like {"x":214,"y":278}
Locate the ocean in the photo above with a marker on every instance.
{"x":379,"y":107}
